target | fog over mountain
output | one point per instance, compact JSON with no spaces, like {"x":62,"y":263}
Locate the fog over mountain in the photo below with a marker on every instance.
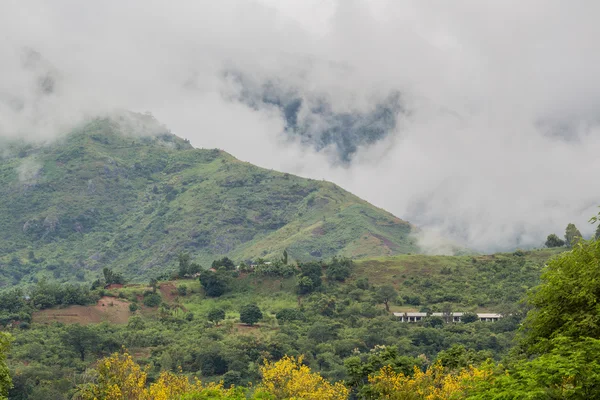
{"x":478,"y":121}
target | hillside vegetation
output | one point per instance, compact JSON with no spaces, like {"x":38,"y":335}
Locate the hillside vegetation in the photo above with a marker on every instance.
{"x":125,"y":193}
{"x":340,"y":325}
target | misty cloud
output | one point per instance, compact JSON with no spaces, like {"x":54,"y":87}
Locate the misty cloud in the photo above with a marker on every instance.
{"x":476,"y":120}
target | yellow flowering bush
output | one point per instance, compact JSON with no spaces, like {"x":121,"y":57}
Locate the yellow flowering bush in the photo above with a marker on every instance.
{"x":433,"y":384}
{"x":121,"y":378}
{"x":289,"y":379}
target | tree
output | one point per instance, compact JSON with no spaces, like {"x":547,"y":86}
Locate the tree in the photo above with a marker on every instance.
{"x":386,"y":294}
{"x":184,"y":264}
{"x":152,"y":299}
{"x":309,"y":278}
{"x":305,"y":285}
{"x":569,"y":371}
{"x":339,"y":269}
{"x":214,"y":284}
{"x":434,"y":383}
{"x":5,"y":379}
{"x":468,"y":318}
{"x":572,"y":235}
{"x":119,"y":377}
{"x":289,"y":314}
{"x":216,"y":315}
{"x":288,"y":378}
{"x":81,"y":338}
{"x":554,"y":241}
{"x":112,"y":277}
{"x":285,"y":257}
{"x":223,"y":264}
{"x":597,"y":235}
{"x":250,"y":314}
{"x":566,"y":302}
{"x":153,"y":284}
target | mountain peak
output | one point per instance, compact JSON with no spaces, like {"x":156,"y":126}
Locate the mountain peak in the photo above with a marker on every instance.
{"x":107,"y":194}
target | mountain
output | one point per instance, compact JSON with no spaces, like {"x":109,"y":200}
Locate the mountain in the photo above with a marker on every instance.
{"x":125,"y":193}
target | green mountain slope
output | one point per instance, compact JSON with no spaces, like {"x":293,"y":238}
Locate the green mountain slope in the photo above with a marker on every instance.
{"x":105,"y":196}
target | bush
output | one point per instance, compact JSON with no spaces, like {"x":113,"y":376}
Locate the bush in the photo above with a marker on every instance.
{"x":133,"y":307}
{"x":289,"y":314}
{"x":215,"y":315}
{"x":467,"y":318}
{"x":152,"y":300}
{"x":182,"y":290}
{"x":250,"y":314}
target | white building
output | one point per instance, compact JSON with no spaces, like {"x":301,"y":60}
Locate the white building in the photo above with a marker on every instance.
{"x":454,"y":317}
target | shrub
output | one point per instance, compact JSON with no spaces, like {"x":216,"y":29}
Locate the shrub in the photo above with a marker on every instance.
{"x":152,"y":300}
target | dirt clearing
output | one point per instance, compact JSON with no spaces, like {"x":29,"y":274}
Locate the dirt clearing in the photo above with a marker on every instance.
{"x":107,"y":309}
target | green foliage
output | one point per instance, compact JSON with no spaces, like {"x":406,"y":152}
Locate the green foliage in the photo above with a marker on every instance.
{"x":214,"y":283}
{"x":339,"y":269}
{"x":554,"y":241}
{"x":224,"y":264}
{"x":336,"y":326}
{"x":359,"y":367}
{"x":309,"y":277}
{"x":80,"y":338}
{"x":289,"y":314}
{"x":216,"y":315}
{"x":112,"y":277}
{"x":285,"y":257}
{"x":152,"y":299}
{"x":276,"y":268}
{"x":468,"y":318}
{"x":569,"y":371}
{"x":133,"y":307}
{"x":182,"y":290}
{"x":5,"y":379}
{"x":250,"y":314}
{"x":572,"y":235}
{"x":386,"y":294}
{"x":566,"y":302}
{"x":496,"y":282}
{"x":106,"y":197}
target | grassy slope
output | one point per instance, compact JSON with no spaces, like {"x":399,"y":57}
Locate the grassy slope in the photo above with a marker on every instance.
{"x":104,"y":197}
{"x":494,"y":283}
{"x":467,"y":282}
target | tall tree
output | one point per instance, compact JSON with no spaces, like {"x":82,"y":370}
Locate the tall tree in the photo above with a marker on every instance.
{"x":80,"y":338}
{"x":572,"y":235}
{"x":285,"y":257}
{"x":214,"y":283}
{"x":386,"y":294}
{"x":184,"y":264}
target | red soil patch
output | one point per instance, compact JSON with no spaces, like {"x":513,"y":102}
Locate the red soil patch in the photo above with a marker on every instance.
{"x":107,"y":309}
{"x":168,"y":292}
{"x":389,"y":244}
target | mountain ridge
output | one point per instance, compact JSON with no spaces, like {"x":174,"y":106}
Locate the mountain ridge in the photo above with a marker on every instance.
{"x":128,"y":194}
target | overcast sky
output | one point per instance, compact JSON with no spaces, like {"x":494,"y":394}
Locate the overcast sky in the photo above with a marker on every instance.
{"x":497,"y":145}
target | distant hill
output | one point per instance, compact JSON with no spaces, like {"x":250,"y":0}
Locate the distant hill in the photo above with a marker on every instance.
{"x":127,"y":194}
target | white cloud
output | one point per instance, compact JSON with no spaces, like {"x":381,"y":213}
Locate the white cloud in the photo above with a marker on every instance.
{"x":484,"y":83}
